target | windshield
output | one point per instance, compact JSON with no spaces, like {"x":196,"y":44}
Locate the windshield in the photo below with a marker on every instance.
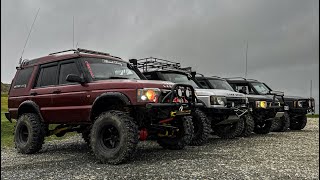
{"x":260,"y":88}
{"x":179,"y":78}
{"x":100,"y":69}
{"x":220,"y":84}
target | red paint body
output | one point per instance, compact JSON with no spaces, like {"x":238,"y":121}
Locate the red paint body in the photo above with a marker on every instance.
{"x":73,"y":103}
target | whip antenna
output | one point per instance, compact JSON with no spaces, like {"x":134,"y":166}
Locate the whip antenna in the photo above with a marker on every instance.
{"x":29,"y":35}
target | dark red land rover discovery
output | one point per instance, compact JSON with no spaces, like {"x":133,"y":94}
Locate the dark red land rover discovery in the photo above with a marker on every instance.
{"x":102,"y":97}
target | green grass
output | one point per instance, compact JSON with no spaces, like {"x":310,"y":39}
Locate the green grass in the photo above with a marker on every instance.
{"x":313,"y":116}
{"x":7,"y":128}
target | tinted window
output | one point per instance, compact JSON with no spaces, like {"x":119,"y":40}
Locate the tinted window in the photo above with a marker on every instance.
{"x":220,"y":84}
{"x":179,"y":78}
{"x":23,"y":78}
{"x":48,"y":76}
{"x":65,"y":70}
{"x":203,"y":84}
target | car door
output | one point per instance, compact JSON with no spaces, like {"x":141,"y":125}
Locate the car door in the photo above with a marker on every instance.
{"x":42,"y":91}
{"x":71,"y":100}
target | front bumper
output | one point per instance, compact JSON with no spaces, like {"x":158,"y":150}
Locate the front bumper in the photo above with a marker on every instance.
{"x":179,"y":108}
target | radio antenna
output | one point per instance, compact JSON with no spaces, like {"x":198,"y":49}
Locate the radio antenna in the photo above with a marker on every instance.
{"x":29,"y":35}
{"x":246,"y":60}
{"x":73,"y":32}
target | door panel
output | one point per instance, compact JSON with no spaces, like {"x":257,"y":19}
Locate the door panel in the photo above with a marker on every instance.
{"x":71,"y":104}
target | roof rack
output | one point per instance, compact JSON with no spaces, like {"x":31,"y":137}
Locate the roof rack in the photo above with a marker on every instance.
{"x":151,"y":64}
{"x":236,"y":78}
{"x":80,"y":50}
{"x":217,"y":77}
{"x":252,"y":79}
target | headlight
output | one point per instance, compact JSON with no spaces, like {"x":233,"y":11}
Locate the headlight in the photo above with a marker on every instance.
{"x":148,"y":94}
{"x":218,"y":100}
{"x":300,"y":103}
{"x":261,"y":104}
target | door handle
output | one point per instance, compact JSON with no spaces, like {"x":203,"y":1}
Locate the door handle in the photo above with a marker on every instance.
{"x":33,"y":93}
{"x":57,"y":91}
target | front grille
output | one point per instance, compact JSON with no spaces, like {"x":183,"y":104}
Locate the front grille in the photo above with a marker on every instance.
{"x":274,"y":104}
{"x":235,"y":102}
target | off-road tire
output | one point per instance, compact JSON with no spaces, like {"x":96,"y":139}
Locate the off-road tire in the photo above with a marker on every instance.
{"x":186,"y":129}
{"x":248,"y":125}
{"x":29,"y":133}
{"x":229,"y":131}
{"x":201,"y":128}
{"x":263,"y":128}
{"x":117,"y":125}
{"x":298,"y":123}
{"x":282,"y":124}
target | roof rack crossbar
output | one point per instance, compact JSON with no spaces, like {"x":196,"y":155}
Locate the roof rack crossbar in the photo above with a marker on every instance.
{"x":78,"y":50}
{"x":236,"y":78}
{"x":252,"y":79}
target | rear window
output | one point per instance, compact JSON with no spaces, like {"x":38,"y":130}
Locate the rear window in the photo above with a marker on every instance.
{"x":23,"y":78}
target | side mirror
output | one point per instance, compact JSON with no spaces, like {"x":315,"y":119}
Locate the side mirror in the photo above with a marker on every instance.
{"x":74,"y":78}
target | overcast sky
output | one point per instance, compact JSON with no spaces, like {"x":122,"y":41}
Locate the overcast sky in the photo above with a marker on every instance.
{"x":210,"y":36}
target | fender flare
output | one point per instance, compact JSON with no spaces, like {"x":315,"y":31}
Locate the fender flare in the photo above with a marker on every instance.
{"x":31,"y":104}
{"x":122,"y":97}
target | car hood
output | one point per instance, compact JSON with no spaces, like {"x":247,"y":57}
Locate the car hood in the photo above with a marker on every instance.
{"x":294,"y":97}
{"x":130,"y":84}
{"x":218,"y":92}
{"x":260,"y":97}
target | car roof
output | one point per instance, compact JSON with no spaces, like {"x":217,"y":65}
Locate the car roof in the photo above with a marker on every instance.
{"x":210,"y":77}
{"x":241,"y":80}
{"x":58,"y":56}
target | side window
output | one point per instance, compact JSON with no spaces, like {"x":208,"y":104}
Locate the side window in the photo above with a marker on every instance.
{"x":243,"y":88}
{"x":23,"y":78}
{"x":47,"y":76}
{"x":203,"y":84}
{"x":65,"y":70}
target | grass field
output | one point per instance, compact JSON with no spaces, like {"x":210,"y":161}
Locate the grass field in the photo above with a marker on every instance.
{"x":7,"y":128}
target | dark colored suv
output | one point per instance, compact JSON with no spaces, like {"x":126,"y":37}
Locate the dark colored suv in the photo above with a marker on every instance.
{"x":265,"y":109}
{"x":100,"y":96}
{"x":296,"y":107}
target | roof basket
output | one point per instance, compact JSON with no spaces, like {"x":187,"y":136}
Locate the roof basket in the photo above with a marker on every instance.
{"x":152,"y":64}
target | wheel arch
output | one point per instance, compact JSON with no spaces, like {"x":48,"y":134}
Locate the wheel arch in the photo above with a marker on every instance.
{"x":108,"y":101}
{"x":29,"y":106}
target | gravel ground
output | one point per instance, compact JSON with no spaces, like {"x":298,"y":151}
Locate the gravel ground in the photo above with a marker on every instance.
{"x":289,"y":155}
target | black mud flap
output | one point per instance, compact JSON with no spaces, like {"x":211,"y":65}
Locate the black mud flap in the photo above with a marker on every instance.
{"x":8,"y":116}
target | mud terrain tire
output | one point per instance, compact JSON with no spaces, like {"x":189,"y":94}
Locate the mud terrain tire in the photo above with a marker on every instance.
{"x":248,"y":125}
{"x":184,"y":137}
{"x":29,"y":133}
{"x":229,"y":131}
{"x":298,"y":123}
{"x":114,"y":137}
{"x":263,"y":127}
{"x":201,"y":128}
